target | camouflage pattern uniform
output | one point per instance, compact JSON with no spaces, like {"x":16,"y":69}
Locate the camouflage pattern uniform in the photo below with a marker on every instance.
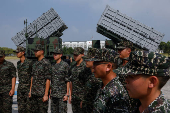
{"x":41,"y":71}
{"x":59,"y":81}
{"x":7,"y":72}
{"x":145,"y":63}
{"x":121,"y":46}
{"x":113,"y":98}
{"x":159,"y":105}
{"x":91,"y":86}
{"x":24,"y":75}
{"x":122,"y":70}
{"x":78,"y":77}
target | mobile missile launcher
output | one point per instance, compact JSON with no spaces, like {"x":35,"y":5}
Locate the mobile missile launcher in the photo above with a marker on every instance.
{"x":110,"y":44}
{"x":45,"y":30}
{"x":96,"y":44}
{"x":119,"y":27}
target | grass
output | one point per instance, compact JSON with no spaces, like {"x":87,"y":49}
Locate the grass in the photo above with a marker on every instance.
{"x":11,"y":57}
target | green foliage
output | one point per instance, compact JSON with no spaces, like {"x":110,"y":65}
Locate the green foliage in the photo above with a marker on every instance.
{"x":67,"y":50}
{"x":165,"y":47}
{"x":8,"y":51}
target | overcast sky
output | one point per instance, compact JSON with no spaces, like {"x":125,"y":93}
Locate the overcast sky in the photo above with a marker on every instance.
{"x":81,"y":16}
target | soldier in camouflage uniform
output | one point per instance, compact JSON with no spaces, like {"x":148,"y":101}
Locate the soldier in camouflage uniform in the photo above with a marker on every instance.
{"x":112,"y":96}
{"x":148,"y":73}
{"x":124,"y":49}
{"x":41,"y":76}
{"x":92,"y":85}
{"x":24,"y":67}
{"x":59,"y":84}
{"x":79,"y":74}
{"x":7,"y":83}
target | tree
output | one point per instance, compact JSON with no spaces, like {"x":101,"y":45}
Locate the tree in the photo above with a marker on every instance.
{"x":8,"y":51}
{"x":162,"y":46}
{"x":67,"y":50}
{"x":168,"y":48}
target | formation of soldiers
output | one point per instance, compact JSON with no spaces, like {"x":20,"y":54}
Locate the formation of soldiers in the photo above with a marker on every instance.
{"x":94,"y":83}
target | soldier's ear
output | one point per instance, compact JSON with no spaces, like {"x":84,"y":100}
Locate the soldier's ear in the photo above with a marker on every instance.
{"x":153,"y":82}
{"x":109,"y":67}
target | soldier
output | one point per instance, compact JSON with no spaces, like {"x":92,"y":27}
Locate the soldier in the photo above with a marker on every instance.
{"x":79,"y":74}
{"x":7,"y":83}
{"x":149,"y":73}
{"x":92,"y":85}
{"x":67,"y":60}
{"x":112,"y":96}
{"x":124,"y":50}
{"x":24,"y":67}
{"x":41,"y":76}
{"x":59,"y":84}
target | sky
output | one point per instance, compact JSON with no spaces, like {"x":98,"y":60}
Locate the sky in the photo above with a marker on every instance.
{"x":80,"y":16}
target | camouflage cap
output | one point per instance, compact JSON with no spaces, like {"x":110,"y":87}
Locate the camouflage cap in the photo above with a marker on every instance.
{"x":19,"y":49}
{"x":105,"y":55}
{"x":38,"y":47}
{"x":57,"y":51}
{"x":2,"y":53}
{"x":90,"y":54}
{"x":125,"y":44}
{"x":148,"y":63}
{"x":78,"y":50}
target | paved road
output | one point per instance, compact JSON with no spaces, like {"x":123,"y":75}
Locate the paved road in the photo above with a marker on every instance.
{"x":165,"y":90}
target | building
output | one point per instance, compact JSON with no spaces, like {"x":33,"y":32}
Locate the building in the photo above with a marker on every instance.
{"x":84,"y":44}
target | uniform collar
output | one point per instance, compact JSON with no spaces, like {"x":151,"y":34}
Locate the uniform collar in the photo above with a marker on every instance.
{"x":159,"y":101}
{"x":109,"y":85}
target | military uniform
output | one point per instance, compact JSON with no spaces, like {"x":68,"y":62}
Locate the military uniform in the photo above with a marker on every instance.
{"x":159,"y":105}
{"x":7,"y":72}
{"x":122,"y":71}
{"x":112,"y":98}
{"x":78,"y":77}
{"x":59,"y":81}
{"x":24,"y":75}
{"x":91,"y":87}
{"x":151,"y":64}
{"x":41,"y":71}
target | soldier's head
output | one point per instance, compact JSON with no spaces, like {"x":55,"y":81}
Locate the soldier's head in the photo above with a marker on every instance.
{"x":90,"y":55}
{"x":67,"y":57}
{"x":78,"y":53}
{"x":38,"y":50}
{"x":104,"y":62}
{"x":57,"y":54}
{"x":124,"y":49}
{"x":2,"y":55}
{"x":20,"y":51}
{"x":148,"y":73}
